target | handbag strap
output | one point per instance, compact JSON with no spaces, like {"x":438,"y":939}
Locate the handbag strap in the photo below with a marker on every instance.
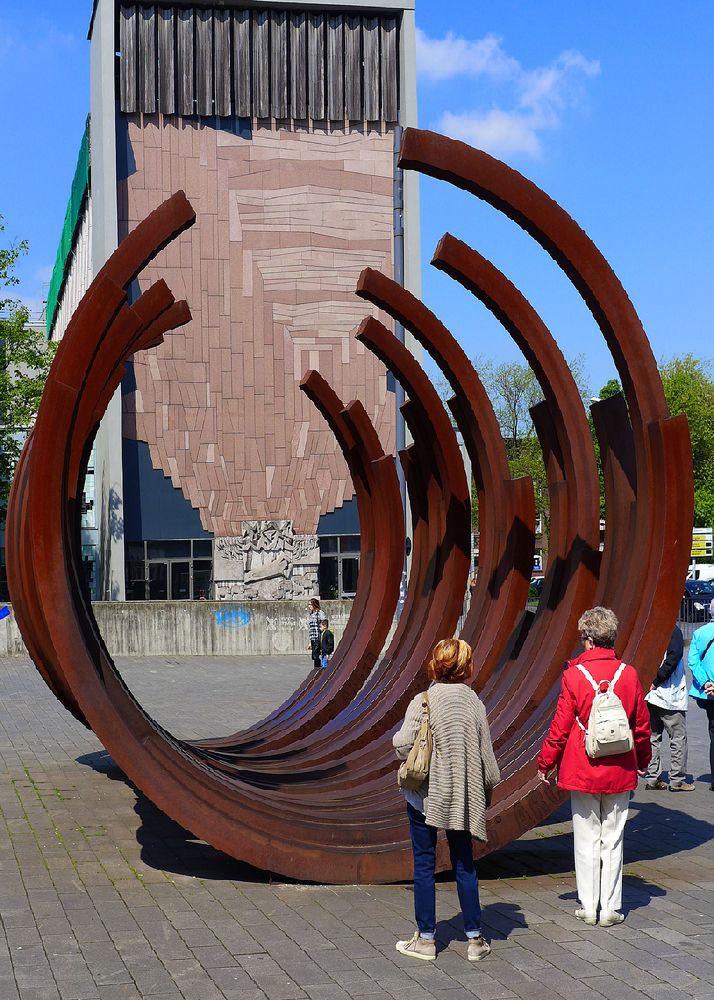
{"x":707,"y":648}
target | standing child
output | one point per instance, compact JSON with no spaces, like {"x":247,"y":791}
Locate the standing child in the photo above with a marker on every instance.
{"x":327,"y":643}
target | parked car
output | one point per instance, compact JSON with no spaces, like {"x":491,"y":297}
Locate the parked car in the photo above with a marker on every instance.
{"x":698,"y":595}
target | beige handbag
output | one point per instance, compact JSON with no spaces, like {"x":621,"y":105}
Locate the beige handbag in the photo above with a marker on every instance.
{"x":414,"y":771}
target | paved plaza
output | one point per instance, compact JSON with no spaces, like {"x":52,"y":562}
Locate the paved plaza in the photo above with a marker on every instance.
{"x":102,"y":897}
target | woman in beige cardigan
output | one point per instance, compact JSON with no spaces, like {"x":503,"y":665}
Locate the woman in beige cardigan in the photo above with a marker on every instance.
{"x":453,"y":798}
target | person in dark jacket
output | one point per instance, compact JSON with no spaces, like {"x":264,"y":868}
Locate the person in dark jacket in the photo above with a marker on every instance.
{"x":327,"y":643}
{"x":667,"y":703}
{"x":599,"y":788}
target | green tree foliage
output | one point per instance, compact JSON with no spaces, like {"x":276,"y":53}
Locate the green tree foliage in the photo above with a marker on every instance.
{"x":25,"y":359}
{"x":689,"y":389}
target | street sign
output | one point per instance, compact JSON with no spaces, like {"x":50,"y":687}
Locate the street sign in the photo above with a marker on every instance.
{"x":702,"y":542}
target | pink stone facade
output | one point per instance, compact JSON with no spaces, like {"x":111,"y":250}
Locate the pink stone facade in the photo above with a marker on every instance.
{"x":286,"y":220}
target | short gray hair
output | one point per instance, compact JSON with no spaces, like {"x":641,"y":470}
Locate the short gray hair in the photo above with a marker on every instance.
{"x":600,"y":625}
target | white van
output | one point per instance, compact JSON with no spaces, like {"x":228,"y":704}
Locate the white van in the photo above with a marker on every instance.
{"x":702,"y":571}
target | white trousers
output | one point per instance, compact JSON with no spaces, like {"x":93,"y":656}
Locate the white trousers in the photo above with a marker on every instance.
{"x":598,"y":834}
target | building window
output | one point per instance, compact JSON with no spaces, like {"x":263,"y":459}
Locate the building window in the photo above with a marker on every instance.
{"x":171,"y":570}
{"x":339,"y":566}
{"x":89,"y":517}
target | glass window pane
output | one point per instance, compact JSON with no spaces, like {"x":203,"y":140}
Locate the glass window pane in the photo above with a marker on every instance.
{"x":202,"y":547}
{"x":170,"y":549}
{"x":202,"y":573}
{"x":350,"y":572}
{"x":180,"y":581}
{"x":349,"y":543}
{"x":135,"y":583}
{"x":329,"y":588}
{"x":158,"y":581}
{"x":133,"y":551}
{"x":328,"y":544}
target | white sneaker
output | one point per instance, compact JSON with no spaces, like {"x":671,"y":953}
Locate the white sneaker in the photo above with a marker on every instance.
{"x":587,"y":918}
{"x":610,"y":919}
{"x":478,"y":948}
{"x":418,"y":947}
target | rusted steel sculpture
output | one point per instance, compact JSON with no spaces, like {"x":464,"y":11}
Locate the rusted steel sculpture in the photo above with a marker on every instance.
{"x":309,"y":791}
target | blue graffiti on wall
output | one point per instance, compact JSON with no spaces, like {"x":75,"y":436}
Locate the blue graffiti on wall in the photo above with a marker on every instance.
{"x":233,"y":618}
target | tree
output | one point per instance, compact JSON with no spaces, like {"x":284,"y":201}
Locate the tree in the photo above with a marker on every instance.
{"x":25,"y":359}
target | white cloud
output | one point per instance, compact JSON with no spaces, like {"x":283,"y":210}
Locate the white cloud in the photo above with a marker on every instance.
{"x":446,"y":58}
{"x":531,"y":101}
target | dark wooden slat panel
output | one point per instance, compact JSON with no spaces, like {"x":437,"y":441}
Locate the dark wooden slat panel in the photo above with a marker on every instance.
{"x":128,"y":68}
{"x":261,"y":64}
{"x":370,"y":38}
{"x":353,"y":68}
{"x":298,"y":64}
{"x":185,"y":55}
{"x":146,"y":50}
{"x":204,"y":62}
{"x":389,"y":69}
{"x":167,"y":61}
{"x":335,"y":67}
{"x":222,"y":63}
{"x":279,"y":63}
{"x":316,"y":66}
{"x":241,"y":63}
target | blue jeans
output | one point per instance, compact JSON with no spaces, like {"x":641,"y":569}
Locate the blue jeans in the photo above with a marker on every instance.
{"x":462,"y":861}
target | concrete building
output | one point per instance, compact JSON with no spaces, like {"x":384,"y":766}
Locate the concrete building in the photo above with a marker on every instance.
{"x":211,"y":475}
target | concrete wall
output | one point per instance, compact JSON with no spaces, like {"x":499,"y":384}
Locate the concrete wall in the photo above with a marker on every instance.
{"x":200,"y":628}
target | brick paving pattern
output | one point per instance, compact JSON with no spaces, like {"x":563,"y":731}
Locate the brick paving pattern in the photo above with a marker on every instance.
{"x":104,"y":898}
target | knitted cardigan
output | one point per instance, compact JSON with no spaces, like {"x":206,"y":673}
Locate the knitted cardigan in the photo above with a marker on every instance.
{"x":463,"y":766}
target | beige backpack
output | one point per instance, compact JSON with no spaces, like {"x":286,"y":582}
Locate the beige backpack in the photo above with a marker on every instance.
{"x":414,"y":771}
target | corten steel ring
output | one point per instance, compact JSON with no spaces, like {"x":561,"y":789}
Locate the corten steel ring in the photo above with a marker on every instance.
{"x":310,"y":791}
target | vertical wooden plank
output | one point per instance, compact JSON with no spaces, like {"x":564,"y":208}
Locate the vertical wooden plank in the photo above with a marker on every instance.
{"x":335,"y":67}
{"x":316,"y":66}
{"x":185,"y":60}
{"x":128,"y":69}
{"x":222,"y":62}
{"x":261,"y":65}
{"x":298,"y":64}
{"x":167,"y":61}
{"x":353,"y":68}
{"x":370,"y":40}
{"x":241,"y":63}
{"x":204,"y":61}
{"x":389,"y":69}
{"x":146,"y":49}
{"x":279,"y":63}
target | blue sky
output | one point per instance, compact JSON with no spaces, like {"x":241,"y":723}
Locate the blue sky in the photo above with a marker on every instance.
{"x":606,"y":106}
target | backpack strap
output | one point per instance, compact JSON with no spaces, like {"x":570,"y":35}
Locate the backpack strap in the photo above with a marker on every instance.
{"x":618,"y":675}
{"x":588,"y":676}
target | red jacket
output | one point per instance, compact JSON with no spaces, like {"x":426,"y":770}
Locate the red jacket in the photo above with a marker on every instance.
{"x":565,"y":743}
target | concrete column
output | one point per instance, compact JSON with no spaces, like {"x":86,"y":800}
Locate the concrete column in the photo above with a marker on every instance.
{"x":102,"y":134}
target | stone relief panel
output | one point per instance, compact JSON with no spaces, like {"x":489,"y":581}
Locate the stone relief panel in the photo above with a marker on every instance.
{"x":286,"y":221}
{"x":266,"y":562}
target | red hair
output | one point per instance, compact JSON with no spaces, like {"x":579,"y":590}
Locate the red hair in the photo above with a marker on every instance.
{"x":451,"y":661}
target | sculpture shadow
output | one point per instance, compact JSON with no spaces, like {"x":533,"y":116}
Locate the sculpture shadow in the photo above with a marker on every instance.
{"x":167,"y":846}
{"x":654,"y":831}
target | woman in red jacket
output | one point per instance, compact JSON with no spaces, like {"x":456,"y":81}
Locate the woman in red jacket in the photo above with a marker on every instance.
{"x":599,"y":788}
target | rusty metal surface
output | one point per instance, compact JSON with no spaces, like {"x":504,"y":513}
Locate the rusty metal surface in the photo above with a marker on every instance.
{"x":309,"y":791}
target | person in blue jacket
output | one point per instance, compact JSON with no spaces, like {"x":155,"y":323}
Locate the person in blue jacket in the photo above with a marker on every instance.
{"x":701,"y":664}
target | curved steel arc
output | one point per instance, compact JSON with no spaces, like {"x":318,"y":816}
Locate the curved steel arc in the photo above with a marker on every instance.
{"x":374,"y":476}
{"x":643,"y":632}
{"x":499,"y":595}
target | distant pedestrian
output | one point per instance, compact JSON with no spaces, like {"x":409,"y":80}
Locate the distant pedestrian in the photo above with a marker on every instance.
{"x":701,"y":664}
{"x":599,"y":787}
{"x":313,"y":630}
{"x":453,"y":798}
{"x":327,"y":643}
{"x":667,"y":704}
